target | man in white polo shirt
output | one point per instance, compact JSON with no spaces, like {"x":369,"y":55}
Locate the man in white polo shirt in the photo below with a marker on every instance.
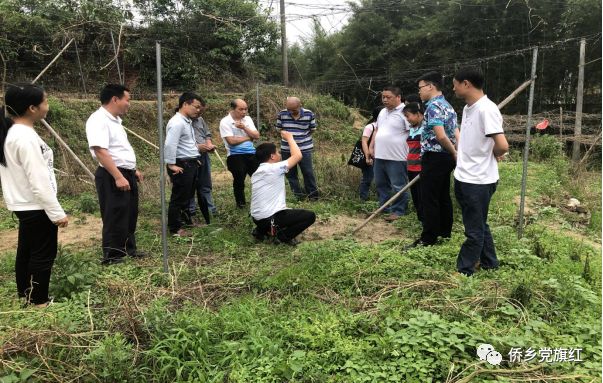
{"x":390,"y":151}
{"x":268,"y":208}
{"x":481,"y":144}
{"x":238,"y":132}
{"x":116,"y":177}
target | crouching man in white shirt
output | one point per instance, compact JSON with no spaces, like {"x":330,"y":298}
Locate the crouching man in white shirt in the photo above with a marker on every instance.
{"x":268,"y":207}
{"x":481,"y":145}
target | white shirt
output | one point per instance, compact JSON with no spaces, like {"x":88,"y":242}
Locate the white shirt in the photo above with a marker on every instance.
{"x":268,"y":189}
{"x":392,"y":132}
{"x":476,"y":163}
{"x":105,"y":131}
{"x":228,"y":129}
{"x":28,"y":181}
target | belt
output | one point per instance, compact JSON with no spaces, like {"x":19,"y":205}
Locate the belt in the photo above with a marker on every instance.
{"x":126,"y":170}
{"x":190,"y":159}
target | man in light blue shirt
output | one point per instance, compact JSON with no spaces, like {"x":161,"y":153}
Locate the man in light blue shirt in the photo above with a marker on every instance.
{"x":181,"y":158}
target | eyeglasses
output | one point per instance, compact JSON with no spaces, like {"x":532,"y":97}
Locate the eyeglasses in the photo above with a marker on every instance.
{"x":423,"y":86}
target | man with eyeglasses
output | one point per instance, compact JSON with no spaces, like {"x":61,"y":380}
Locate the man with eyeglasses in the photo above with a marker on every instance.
{"x":182,"y":160}
{"x":438,"y":159}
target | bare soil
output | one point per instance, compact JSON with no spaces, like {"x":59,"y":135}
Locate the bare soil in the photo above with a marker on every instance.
{"x":82,"y":231}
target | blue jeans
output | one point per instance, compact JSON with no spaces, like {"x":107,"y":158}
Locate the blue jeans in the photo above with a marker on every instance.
{"x":390,"y":178}
{"x":310,"y":188}
{"x":204,"y":186}
{"x":479,"y":245}
{"x":365,"y":182}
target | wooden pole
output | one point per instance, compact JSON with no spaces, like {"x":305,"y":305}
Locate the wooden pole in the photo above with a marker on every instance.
{"x":220,"y":158}
{"x":514,"y":94}
{"x":52,"y":62}
{"x":64,"y":144}
{"x":592,"y":147}
{"x":561,"y":126}
{"x":579,"y":98}
{"x":157,"y":147}
{"x":257,"y":99}
{"x":121,"y":81}
{"x":79,"y":64}
{"x":52,"y":131}
{"x":386,"y":204}
{"x":142,"y":138}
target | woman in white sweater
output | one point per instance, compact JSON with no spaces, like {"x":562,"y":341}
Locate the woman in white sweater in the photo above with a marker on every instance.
{"x":30,"y":190}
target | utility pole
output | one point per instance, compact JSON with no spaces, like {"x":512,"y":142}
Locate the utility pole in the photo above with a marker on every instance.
{"x":284,"y":45}
{"x":579,"y":97}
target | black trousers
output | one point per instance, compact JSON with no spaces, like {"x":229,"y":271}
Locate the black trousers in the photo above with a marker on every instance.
{"x":435,"y":196}
{"x":119,"y":211}
{"x":36,"y":251}
{"x":415,"y":192}
{"x":183,"y":189}
{"x":241,"y":165}
{"x":289,"y":223}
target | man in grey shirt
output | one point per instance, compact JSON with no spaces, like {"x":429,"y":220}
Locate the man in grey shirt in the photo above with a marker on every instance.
{"x":182,"y":160}
{"x":203,"y":137}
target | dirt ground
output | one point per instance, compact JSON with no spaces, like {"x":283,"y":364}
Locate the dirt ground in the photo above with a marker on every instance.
{"x":81,"y":232}
{"x":339,"y":226}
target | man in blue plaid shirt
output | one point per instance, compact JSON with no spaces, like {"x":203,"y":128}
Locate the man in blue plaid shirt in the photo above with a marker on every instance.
{"x":301,"y":123}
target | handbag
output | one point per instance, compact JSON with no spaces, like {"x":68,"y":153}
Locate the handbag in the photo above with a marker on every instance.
{"x":358,"y":159}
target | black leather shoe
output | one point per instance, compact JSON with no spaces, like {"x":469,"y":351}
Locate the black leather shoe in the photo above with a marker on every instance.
{"x":292,"y":242}
{"x":257,"y":235}
{"x":112,"y":261}
{"x":416,"y":243}
{"x":138,"y":254}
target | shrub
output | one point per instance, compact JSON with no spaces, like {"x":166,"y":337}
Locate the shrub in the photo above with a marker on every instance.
{"x":545,"y":147}
{"x":87,"y":203}
{"x":111,"y":360}
{"x":72,"y":274}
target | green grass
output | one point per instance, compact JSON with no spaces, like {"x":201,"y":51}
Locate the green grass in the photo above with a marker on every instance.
{"x":334,"y":310}
{"x":330,"y":310}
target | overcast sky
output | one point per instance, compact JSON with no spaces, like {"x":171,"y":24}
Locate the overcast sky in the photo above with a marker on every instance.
{"x":332,"y":15}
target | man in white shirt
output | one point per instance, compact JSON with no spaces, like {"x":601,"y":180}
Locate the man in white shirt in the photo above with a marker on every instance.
{"x":116,"y":177}
{"x":182,"y":160}
{"x":390,"y":150}
{"x":481,"y":144}
{"x":268,"y":208}
{"x":238,"y":132}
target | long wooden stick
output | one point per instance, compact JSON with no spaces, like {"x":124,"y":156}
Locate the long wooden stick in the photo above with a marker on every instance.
{"x":156,"y":147}
{"x":142,"y":138}
{"x":398,"y":194}
{"x":52,"y":62}
{"x":47,"y":125}
{"x":220,"y":158}
{"x":64,"y":144}
{"x":590,"y":150}
{"x":514,"y":94}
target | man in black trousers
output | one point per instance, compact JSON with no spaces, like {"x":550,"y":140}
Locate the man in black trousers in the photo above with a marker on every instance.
{"x":183,"y":162}
{"x":438,"y":158}
{"x":116,"y":177}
